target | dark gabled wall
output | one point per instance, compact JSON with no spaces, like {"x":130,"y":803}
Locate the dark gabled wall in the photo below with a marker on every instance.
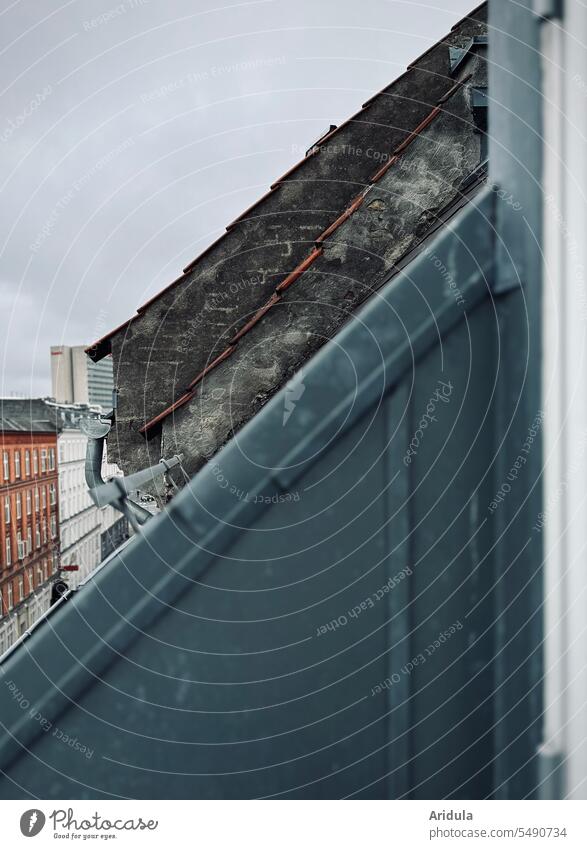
{"x":182,"y":331}
{"x":396,"y":214}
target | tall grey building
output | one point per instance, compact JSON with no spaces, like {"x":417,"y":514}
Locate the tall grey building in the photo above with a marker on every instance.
{"x":75,"y":379}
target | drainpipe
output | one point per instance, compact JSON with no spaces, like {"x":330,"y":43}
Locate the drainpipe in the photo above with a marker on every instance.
{"x":94,"y":479}
{"x":97,"y":430}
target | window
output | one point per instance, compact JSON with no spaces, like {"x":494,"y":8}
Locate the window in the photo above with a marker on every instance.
{"x":52,"y":493}
{"x":44,"y":530}
{"x":44,"y":497}
{"x":18,"y":505}
{"x":29,"y":540}
{"x":43,"y":459}
{"x":17,"y":464}
{"x":27,"y":463}
{"x":28,"y":502}
{"x":8,"y":552}
{"x":53,"y":527}
{"x":29,"y":578}
{"x":9,"y":596}
{"x":37,"y":536}
{"x":51,"y":459}
{"x":20,"y":588}
{"x":20,"y":546}
{"x":6,"y":463}
{"x":35,"y":462}
{"x":7,"y":509}
{"x":40,"y":576}
{"x":61,"y":451}
{"x":37,"y":499}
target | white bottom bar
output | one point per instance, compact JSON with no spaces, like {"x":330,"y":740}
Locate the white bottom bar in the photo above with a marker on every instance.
{"x":295,"y":824}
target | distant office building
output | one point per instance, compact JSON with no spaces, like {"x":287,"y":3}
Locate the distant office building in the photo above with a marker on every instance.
{"x":75,"y":379}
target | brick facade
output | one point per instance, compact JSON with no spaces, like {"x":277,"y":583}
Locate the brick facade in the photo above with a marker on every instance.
{"x":29,"y":515}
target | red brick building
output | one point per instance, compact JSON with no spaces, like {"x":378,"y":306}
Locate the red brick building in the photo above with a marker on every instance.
{"x":29,"y":521}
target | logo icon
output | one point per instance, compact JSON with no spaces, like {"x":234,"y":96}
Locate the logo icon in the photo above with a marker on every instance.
{"x":32,"y":822}
{"x":294,"y":389}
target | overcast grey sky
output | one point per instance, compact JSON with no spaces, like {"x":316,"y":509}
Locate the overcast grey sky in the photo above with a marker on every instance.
{"x":132,"y":133}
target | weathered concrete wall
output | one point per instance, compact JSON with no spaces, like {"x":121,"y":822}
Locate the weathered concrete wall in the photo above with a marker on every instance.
{"x":182,"y":331}
{"x":396,"y":215}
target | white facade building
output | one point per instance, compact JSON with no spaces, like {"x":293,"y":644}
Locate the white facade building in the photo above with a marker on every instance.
{"x":87,"y":532}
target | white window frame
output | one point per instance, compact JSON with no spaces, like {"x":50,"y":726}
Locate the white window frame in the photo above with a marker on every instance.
{"x":7,"y":510}
{"x":6,"y":463}
{"x":29,"y":502}
{"x":18,"y":499}
{"x":8,"y":551}
{"x":17,"y":464}
{"x":27,"y":463}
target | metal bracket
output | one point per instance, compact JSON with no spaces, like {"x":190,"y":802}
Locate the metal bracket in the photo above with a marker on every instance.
{"x":116,"y":492}
{"x":458,"y":55}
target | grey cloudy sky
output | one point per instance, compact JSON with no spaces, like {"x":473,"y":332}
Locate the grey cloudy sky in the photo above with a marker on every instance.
{"x":132,"y":133}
